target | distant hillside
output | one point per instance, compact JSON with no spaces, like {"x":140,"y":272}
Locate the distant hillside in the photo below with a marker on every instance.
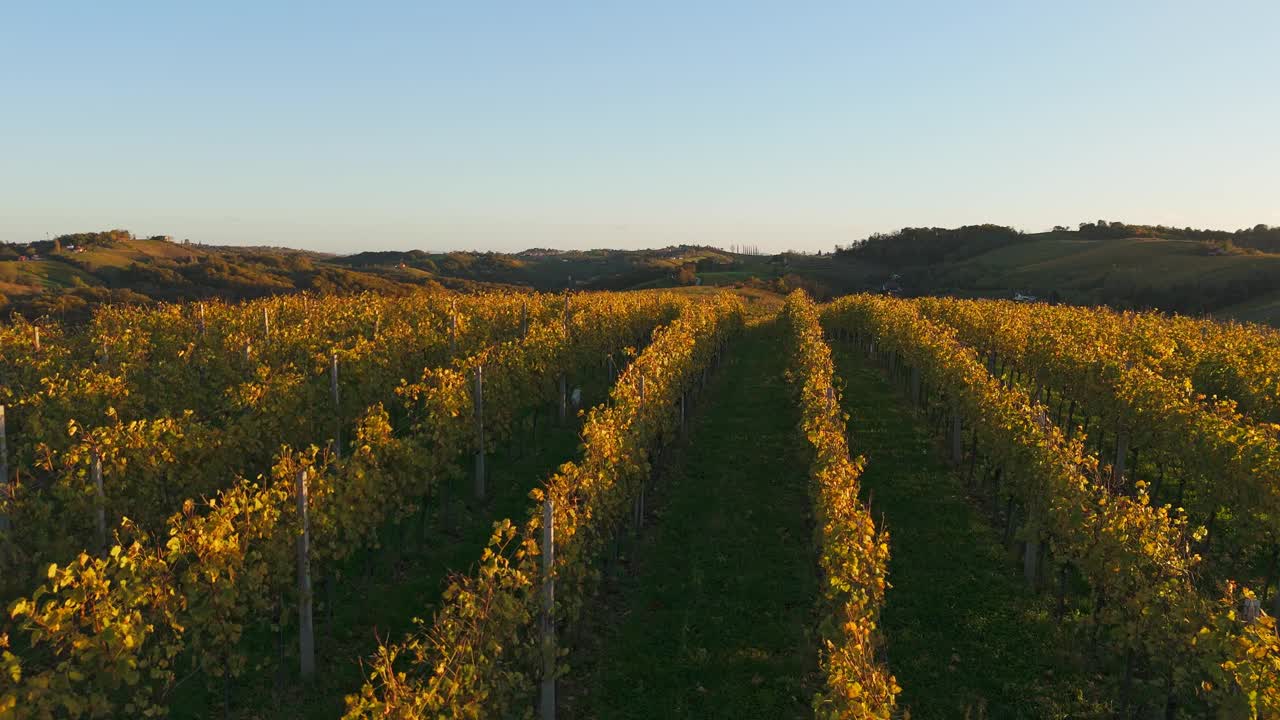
{"x":555,"y":270}
{"x":1126,"y":266}
{"x":68,"y":275}
{"x":1180,"y":275}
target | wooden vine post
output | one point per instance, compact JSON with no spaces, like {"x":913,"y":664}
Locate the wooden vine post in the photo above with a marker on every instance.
{"x":548,"y":694}
{"x":1250,"y":609}
{"x":957,"y":437}
{"x":1275,"y":600}
{"x":564,"y":397}
{"x":1031,"y":555}
{"x":639,"y":503}
{"x":478,"y":396}
{"x":306,"y":631}
{"x":566,"y":315}
{"x":202,"y":325}
{"x":1122,"y":454}
{"x":524,"y":319}
{"x":337,"y":412}
{"x":37,"y":338}
{"x":564,"y":379}
{"x":6,"y":485}
{"x":683,"y":428}
{"x":101,"y":500}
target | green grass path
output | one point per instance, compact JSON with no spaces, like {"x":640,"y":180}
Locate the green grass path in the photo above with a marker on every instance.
{"x":965,"y":637}
{"x":714,"y":620}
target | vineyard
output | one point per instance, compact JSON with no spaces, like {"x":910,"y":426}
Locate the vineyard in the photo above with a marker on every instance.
{"x":638,"y":504}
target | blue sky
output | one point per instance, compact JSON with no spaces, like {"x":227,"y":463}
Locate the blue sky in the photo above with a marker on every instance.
{"x":502,"y":126}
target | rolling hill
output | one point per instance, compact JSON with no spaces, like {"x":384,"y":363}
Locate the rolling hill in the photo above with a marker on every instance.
{"x":1172,"y":270}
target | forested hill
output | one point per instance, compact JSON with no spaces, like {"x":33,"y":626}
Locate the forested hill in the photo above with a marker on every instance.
{"x":1185,"y":270}
{"x":1232,"y":274}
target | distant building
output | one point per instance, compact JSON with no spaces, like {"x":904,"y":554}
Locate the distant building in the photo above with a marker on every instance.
{"x":1019,"y":297}
{"x":892,"y":286}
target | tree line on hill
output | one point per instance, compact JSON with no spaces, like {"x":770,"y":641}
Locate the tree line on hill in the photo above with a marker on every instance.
{"x":929,"y":246}
{"x":1260,"y":237}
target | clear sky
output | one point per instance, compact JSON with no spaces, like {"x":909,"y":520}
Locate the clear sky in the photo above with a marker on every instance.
{"x":505,"y":125}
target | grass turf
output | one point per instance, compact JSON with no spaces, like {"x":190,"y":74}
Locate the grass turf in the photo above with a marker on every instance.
{"x":714,"y":620}
{"x":965,"y":636}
